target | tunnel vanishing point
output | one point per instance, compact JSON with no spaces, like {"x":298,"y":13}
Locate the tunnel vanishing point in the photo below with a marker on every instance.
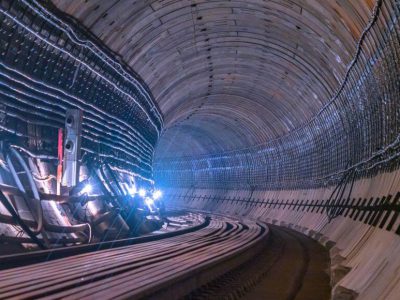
{"x":200,"y":149}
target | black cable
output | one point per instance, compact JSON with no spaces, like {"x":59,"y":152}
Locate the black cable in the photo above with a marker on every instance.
{"x":103,"y":174}
{"x":19,"y":221}
{"x":328,"y":202}
{"x":351,"y":188}
{"x":331,"y":204}
{"x":105,"y":191}
{"x":119,"y":188}
{"x":336,"y":208}
{"x":338,"y":199}
{"x":121,"y":192}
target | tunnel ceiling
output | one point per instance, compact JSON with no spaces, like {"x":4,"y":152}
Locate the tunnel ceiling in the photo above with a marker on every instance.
{"x":230,"y":74}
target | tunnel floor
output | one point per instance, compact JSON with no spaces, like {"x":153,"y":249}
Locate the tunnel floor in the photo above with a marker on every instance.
{"x":291,"y":266}
{"x":220,"y":258}
{"x":300,"y":270}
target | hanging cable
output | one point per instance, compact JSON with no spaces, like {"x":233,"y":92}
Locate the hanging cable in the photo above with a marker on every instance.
{"x":334,"y":206}
{"x":38,"y":206}
{"x":19,"y":221}
{"x":121,"y":192}
{"x":351,"y":189}
{"x":336,"y":194}
{"x":41,"y":223}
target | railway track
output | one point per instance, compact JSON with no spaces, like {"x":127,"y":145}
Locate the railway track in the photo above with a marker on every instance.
{"x":178,"y":223}
{"x":155,"y":268}
{"x":291,"y":266}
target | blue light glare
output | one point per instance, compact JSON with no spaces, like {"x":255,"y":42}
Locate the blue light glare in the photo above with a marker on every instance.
{"x":87,"y":189}
{"x":132,"y":190}
{"x":149,"y":201}
{"x":142,"y":192}
{"x":157,"y":194}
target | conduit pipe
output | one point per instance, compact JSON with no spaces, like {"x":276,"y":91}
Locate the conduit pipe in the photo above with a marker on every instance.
{"x":39,"y":210}
{"x":33,"y":155}
{"x":41,"y":223}
{"x":5,"y":219}
{"x":19,"y":221}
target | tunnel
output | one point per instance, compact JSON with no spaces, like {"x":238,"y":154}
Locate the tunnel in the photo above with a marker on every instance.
{"x":199,"y":149}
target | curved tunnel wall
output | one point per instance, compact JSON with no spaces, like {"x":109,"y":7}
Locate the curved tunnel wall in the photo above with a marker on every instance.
{"x":266,"y":106}
{"x":229,"y":75}
{"x":356,"y":130}
{"x":48,"y":66}
{"x":290,"y":180}
{"x":361,"y":231}
{"x":261,"y":95}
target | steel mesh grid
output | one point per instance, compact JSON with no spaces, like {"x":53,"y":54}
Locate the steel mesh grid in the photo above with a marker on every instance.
{"x":48,"y":66}
{"x":358,"y":129}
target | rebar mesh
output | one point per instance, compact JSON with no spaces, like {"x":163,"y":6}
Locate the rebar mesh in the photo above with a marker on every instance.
{"x":47,"y":66}
{"x":357,"y":130}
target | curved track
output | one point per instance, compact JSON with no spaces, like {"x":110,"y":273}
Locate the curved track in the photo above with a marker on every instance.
{"x":291,"y":266}
{"x":170,"y":267}
{"x":296,"y":268}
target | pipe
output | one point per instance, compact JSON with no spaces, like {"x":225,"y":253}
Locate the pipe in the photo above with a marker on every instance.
{"x":15,"y":217}
{"x":39,"y":211}
{"x":49,"y":227}
{"x":8,"y":189}
{"x":36,"y":196}
{"x":33,"y":155}
{"x":46,"y":197}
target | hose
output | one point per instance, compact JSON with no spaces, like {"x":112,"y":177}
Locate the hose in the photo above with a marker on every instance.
{"x":103,"y":174}
{"x":79,"y":228}
{"x":39,"y":210}
{"x":114,"y":199}
{"x":14,"y":175}
{"x":335,"y":213}
{"x":121,"y":191}
{"x":31,"y":154}
{"x":19,"y":221}
{"x":49,"y":227}
{"x":40,"y":221}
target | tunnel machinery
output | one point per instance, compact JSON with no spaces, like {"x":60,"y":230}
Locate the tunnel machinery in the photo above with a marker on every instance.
{"x":78,"y":130}
{"x":199,"y":149}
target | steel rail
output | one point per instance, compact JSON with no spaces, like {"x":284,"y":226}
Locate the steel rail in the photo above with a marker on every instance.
{"x":9,"y":261}
{"x":147,"y":268}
